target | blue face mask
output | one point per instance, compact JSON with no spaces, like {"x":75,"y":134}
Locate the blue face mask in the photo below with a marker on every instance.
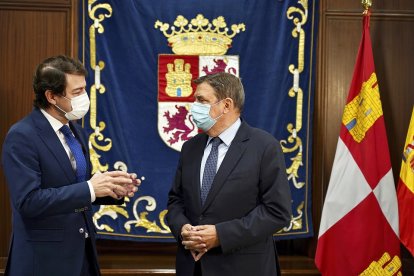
{"x":201,"y":115}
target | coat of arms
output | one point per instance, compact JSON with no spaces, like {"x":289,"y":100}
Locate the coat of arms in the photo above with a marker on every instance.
{"x":199,"y":49}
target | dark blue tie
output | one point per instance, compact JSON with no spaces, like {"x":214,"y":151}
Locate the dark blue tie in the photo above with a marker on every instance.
{"x":210,"y":169}
{"x":77,"y":152}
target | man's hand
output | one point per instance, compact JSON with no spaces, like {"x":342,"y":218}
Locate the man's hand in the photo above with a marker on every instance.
{"x":208,"y":235}
{"x":132,"y":188}
{"x":197,"y":255}
{"x":115,"y":184}
{"x":192,"y":242}
{"x":199,"y":239}
{"x":190,"y":238}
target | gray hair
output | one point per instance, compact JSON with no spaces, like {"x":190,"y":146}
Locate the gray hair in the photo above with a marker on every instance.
{"x":226,"y":86}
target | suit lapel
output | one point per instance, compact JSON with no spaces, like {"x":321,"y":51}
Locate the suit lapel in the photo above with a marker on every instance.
{"x":51,"y":140}
{"x":233,"y":155}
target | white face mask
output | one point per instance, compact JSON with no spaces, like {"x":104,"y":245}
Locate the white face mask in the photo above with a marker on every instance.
{"x":80,"y":106}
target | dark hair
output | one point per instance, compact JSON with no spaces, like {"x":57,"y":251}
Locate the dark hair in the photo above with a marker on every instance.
{"x":226,"y":86}
{"x":51,"y":75}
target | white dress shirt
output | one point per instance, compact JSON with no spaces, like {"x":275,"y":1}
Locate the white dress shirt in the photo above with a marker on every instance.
{"x":226,"y":137}
{"x":56,"y":125}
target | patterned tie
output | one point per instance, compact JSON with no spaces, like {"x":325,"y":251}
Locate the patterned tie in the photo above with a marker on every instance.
{"x":210,"y":169}
{"x":76,"y":150}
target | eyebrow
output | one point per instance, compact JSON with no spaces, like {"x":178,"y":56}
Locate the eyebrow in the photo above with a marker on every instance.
{"x":200,"y":97}
{"x":78,"y":89}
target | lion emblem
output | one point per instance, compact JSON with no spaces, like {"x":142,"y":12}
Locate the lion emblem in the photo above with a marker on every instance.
{"x":176,"y":125}
{"x":220,"y":66}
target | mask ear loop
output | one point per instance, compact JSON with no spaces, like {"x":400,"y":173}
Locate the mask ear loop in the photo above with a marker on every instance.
{"x":60,"y":109}
{"x":218,"y":117}
{"x":217,"y":102}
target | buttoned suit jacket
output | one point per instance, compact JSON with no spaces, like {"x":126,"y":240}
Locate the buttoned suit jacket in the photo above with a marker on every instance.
{"x":51,"y":210}
{"x":249,"y":201}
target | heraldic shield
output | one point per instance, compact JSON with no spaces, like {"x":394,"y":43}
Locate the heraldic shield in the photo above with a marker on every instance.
{"x":176,"y":92}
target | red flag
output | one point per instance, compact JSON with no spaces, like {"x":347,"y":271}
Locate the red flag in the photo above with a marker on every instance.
{"x":359,"y":225}
{"x":406,"y":190}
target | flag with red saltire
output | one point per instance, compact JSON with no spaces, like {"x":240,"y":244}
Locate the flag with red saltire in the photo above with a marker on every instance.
{"x":406,"y":190}
{"x":359,"y":225}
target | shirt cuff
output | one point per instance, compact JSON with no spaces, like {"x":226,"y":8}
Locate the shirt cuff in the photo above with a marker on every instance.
{"x":93,"y":196}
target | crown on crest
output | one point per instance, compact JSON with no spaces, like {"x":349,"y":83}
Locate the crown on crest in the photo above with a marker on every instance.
{"x":200,"y":37}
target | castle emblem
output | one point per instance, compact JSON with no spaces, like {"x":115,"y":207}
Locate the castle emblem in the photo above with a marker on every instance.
{"x":199,"y":48}
{"x":178,"y":79}
{"x":361,"y":113}
{"x":384,"y":266}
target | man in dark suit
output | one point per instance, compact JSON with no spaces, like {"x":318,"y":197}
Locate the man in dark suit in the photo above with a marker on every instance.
{"x":46,"y":163}
{"x":230,"y":192}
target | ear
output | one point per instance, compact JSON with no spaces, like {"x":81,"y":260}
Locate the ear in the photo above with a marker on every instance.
{"x":228,"y":105}
{"x":50,"y":97}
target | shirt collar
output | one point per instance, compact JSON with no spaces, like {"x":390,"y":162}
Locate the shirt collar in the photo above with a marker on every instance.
{"x":228,"y":135}
{"x":55,"y":123}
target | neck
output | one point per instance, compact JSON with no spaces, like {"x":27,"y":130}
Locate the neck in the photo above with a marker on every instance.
{"x":57,"y":114}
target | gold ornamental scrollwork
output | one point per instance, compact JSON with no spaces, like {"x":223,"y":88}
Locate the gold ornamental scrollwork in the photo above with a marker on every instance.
{"x":140,"y":219}
{"x":98,"y":143}
{"x":293,"y":144}
{"x":295,"y":222}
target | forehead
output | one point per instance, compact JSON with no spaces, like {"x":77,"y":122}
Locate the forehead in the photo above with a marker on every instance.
{"x":75,"y":82}
{"x":205,"y":91}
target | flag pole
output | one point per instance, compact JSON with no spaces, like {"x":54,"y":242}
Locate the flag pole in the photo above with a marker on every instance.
{"x":366,"y":4}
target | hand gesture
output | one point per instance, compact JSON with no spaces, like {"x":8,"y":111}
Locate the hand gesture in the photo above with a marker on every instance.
{"x":208,"y":235}
{"x":115,"y":184}
{"x":192,"y":241}
{"x":132,"y":188}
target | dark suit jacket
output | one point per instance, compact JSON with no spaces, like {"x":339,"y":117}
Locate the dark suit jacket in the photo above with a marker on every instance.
{"x":249,"y":201}
{"x":51,"y":211}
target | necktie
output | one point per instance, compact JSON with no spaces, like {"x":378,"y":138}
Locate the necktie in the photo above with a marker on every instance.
{"x":77,"y":152}
{"x":210,"y":169}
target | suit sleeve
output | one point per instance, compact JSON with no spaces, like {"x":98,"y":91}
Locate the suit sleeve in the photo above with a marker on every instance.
{"x":176,"y":215}
{"x":108,"y":201}
{"x":273,"y":211}
{"x":24,"y":176}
